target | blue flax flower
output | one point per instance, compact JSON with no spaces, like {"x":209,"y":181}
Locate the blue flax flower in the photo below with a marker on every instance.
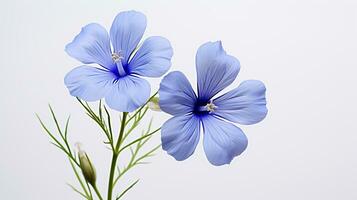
{"x":222,"y":140}
{"x":121,"y":63}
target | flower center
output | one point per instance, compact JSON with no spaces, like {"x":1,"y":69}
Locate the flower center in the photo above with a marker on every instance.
{"x":209,"y":107}
{"x":117,"y":58}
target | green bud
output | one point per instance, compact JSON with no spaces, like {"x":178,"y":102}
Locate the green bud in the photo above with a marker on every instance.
{"x":153,"y":104}
{"x":87,"y":167}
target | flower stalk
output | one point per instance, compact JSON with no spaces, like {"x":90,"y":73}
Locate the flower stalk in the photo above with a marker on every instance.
{"x":115,"y":156}
{"x":128,"y":124}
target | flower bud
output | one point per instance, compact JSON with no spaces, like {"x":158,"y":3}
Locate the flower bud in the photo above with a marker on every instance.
{"x":153,"y":104}
{"x":87,"y":167}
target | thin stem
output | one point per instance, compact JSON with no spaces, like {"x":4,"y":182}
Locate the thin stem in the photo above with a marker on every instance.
{"x":59,"y":129}
{"x":90,"y":191}
{"x":79,"y":179}
{"x":100,"y":121}
{"x":97,"y":192}
{"x":139,"y":139}
{"x":57,"y":143}
{"x":111,"y":175}
{"x":115,"y":157}
{"x":121,"y":133}
{"x":127,"y":189}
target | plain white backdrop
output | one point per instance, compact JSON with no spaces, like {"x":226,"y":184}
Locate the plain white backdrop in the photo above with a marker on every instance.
{"x":304,"y":51}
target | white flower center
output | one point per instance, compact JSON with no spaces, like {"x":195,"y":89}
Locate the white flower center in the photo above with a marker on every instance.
{"x":117,"y":57}
{"x":210,"y":107}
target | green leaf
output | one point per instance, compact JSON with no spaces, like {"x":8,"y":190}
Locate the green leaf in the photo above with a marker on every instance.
{"x":76,"y":190}
{"x":59,"y":130}
{"x":49,"y":133}
{"x":79,"y":179}
{"x":109,"y":123}
{"x":99,"y":120}
{"x":100,"y":110}
{"x":127,"y":189}
{"x":139,"y":139}
{"x":66,"y":129}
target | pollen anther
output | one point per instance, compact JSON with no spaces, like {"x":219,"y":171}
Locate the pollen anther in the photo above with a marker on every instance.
{"x":117,"y":57}
{"x":210,"y":107}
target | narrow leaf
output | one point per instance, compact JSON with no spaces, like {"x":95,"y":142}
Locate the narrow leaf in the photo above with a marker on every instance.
{"x":127,"y":189}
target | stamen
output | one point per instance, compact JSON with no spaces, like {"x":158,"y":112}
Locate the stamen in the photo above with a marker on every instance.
{"x":209,"y":107}
{"x":117,"y":57}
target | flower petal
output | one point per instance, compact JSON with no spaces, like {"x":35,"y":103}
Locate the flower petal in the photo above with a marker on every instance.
{"x":128,"y":93}
{"x":89,"y":83}
{"x":180,"y":135}
{"x":215,"y":69}
{"x":176,"y":94}
{"x":153,"y":59}
{"x":222,"y":141}
{"x":245,"y":105}
{"x":126,"y":32}
{"x":92,"y":45}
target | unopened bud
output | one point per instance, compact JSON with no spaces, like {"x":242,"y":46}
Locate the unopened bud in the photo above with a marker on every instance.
{"x":86,"y":165}
{"x":153,"y":104}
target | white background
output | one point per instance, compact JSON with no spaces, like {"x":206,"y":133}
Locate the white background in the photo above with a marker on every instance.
{"x":303,"y":50}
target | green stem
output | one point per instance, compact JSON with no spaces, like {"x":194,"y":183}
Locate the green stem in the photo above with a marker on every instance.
{"x":115,"y":157}
{"x":111,"y":175}
{"x":97,"y":192}
{"x":121,"y":133}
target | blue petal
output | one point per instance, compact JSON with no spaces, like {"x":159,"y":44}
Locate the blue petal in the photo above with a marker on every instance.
{"x":153,"y":59}
{"x":89,"y":83}
{"x":222,"y":141}
{"x":126,"y":32}
{"x":215,"y":69}
{"x":245,"y":105}
{"x":92,"y":45}
{"x":176,"y":94}
{"x":180,"y":135}
{"x":128,"y":93}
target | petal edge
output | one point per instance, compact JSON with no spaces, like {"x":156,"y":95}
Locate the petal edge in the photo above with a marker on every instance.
{"x":126,"y":32}
{"x":176,"y":95}
{"x":88,"y":83}
{"x":180,"y":136}
{"x":222,"y":140}
{"x":153,"y":59}
{"x":245,"y":104}
{"x":92,"y":45}
{"x":215,"y":69}
{"x":128,"y":93}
